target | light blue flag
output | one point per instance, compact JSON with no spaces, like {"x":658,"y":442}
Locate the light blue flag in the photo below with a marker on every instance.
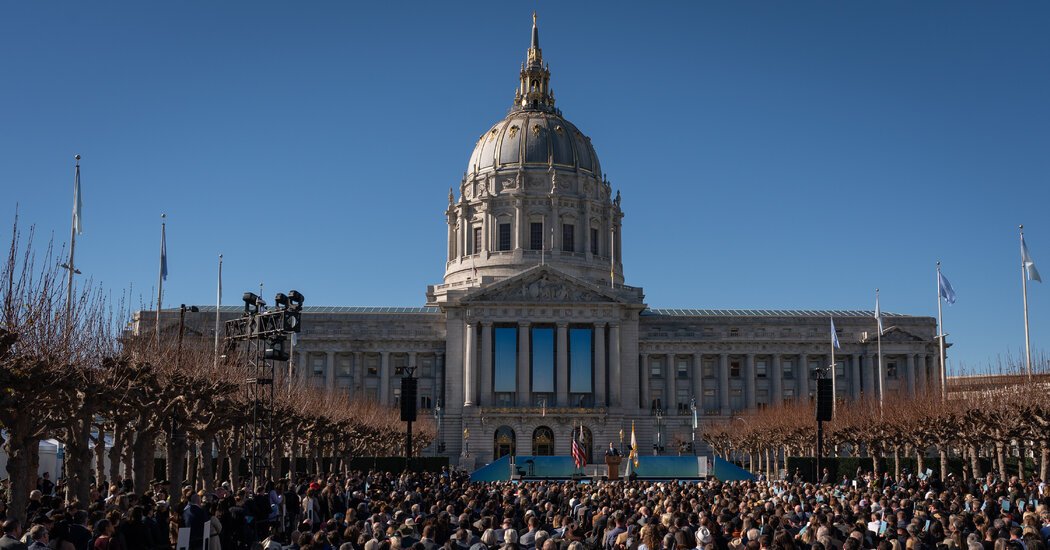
{"x":1029,"y":265}
{"x":163,"y":255}
{"x":944,"y":288}
{"x":878,"y":312}
{"x":834,"y":335}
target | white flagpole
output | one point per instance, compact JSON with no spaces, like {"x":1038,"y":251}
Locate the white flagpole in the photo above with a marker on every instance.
{"x":218,"y":304}
{"x":160,"y":277}
{"x":73,"y":242}
{"x":1024,"y":292}
{"x":942,"y":371}
{"x":612,"y":254}
{"x":834,"y":394}
{"x":879,"y":329}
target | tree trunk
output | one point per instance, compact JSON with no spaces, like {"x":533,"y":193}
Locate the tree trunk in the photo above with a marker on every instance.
{"x":100,"y":455}
{"x":975,"y":463}
{"x":142,"y":461}
{"x":175,"y":461}
{"x":1020,"y":461}
{"x":1000,"y":459}
{"x":34,"y":464}
{"x":18,"y":448}
{"x":207,"y":475}
{"x":1044,"y":459}
{"x":78,"y":458}
{"x":191,"y":464}
{"x":942,"y":450}
{"x":120,"y":441}
{"x":920,"y":460}
{"x":896,"y":462}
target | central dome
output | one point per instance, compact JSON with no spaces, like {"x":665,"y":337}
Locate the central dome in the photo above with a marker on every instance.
{"x":534,"y":138}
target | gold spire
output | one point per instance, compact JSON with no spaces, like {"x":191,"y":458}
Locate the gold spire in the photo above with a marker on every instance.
{"x":534,"y":90}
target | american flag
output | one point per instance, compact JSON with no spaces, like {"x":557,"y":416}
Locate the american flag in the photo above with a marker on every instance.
{"x":578,"y":456}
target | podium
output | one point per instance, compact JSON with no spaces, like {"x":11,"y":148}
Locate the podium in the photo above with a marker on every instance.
{"x":613,"y":462}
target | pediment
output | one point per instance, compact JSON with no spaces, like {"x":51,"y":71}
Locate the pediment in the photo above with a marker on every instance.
{"x":897,"y":335}
{"x":542,"y":284}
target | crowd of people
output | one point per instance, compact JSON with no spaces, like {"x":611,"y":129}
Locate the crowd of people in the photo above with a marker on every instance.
{"x":445,"y":511}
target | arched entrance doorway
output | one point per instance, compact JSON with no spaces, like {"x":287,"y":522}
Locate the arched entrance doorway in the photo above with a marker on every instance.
{"x":503,"y":442}
{"x":543,"y":441}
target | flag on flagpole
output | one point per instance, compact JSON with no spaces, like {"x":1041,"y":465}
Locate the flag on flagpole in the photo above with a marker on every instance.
{"x":163,"y":255}
{"x":78,"y":204}
{"x":634,"y":447}
{"x":1029,"y":265}
{"x":944,"y":288}
{"x":834,"y":335}
{"x":878,"y":311}
{"x":579,"y":459}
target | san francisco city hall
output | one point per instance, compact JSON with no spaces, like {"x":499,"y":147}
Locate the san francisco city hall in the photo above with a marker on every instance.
{"x":533,"y":329}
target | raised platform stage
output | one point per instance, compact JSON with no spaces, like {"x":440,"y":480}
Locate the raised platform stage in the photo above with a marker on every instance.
{"x":535,"y":468}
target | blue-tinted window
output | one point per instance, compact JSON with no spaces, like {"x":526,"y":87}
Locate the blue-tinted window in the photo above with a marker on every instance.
{"x":581,"y":361}
{"x":543,"y":360}
{"x":505,"y":366}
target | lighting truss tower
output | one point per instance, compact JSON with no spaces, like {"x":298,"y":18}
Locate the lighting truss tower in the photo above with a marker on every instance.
{"x":257,"y":341}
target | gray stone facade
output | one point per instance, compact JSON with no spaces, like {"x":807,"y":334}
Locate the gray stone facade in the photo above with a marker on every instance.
{"x":534,"y":252}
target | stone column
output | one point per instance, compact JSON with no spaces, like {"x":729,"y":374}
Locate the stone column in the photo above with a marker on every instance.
{"x":562,"y":367}
{"x":359,"y":371}
{"x":776,"y":384}
{"x":485,"y":386}
{"x":524,"y":366}
{"x":439,"y":376}
{"x":329,"y":373}
{"x":922,"y":376}
{"x":670,"y":399}
{"x":384,"y":378}
{"x":614,"y":369}
{"x":519,"y":222}
{"x":599,"y":366}
{"x":646,"y":372}
{"x":870,"y":391}
{"x":555,"y":227}
{"x":486,"y":228}
{"x":909,"y":367}
{"x":723,"y":384}
{"x":750,"y":399}
{"x":698,"y":382}
{"x":803,"y":377}
{"x":469,"y":366}
{"x":586,"y":228}
{"x":854,"y":376}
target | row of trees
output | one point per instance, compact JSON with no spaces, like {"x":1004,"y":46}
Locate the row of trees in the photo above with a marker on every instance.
{"x":70,"y":370}
{"x":1010,"y":415}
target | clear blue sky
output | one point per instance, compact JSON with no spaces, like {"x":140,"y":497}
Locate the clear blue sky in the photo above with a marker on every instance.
{"x":770,"y":154}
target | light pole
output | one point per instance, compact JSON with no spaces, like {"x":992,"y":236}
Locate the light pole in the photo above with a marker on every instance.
{"x":658,"y":445}
{"x":692,"y":409}
{"x":438,"y":416}
{"x":182,"y":328}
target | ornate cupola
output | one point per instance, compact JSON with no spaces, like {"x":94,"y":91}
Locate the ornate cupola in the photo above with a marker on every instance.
{"x":534,"y":91}
{"x":533,"y":194}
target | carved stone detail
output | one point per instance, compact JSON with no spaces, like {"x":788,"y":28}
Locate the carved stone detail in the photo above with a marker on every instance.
{"x":543,"y":288}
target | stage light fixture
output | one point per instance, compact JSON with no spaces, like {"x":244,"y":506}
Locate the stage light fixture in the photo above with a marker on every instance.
{"x":276,"y":351}
{"x":250,"y":303}
{"x":280,"y":300}
{"x":296,"y":299}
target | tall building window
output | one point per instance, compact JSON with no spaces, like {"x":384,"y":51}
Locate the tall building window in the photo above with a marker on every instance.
{"x":543,"y":361}
{"x":891,"y":370}
{"x":655,"y":368}
{"x":682,"y":398}
{"x":594,"y":240}
{"x":789,"y":369}
{"x":536,"y":236}
{"x":426,"y":364}
{"x":682,"y":369}
{"x":504,"y":236}
{"x":656,"y":399}
{"x":317,"y":364}
{"x":581,"y":362}
{"x":343,"y":365}
{"x":734,"y":369}
{"x":568,"y":237}
{"x":477,"y":240}
{"x":372,"y":365}
{"x":709,"y":369}
{"x":761,"y":368}
{"x":505,"y":361}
